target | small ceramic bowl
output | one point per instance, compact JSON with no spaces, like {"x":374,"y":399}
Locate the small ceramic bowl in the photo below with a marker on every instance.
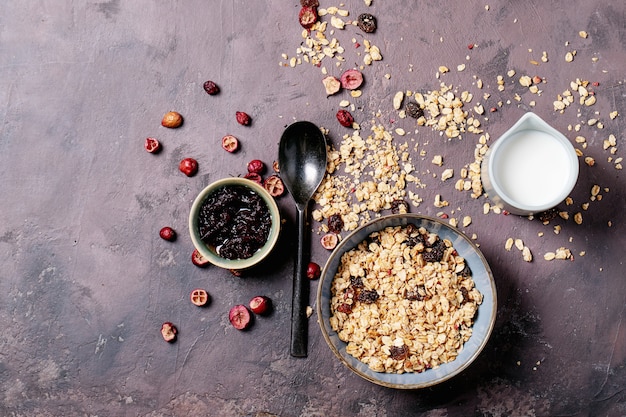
{"x":209,"y":252}
{"x":483,"y":321}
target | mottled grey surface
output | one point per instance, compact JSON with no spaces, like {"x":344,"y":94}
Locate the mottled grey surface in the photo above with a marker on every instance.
{"x":86,"y":281}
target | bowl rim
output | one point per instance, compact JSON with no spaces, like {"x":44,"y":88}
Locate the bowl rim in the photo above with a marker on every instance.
{"x":377,"y":225}
{"x":263,"y":252}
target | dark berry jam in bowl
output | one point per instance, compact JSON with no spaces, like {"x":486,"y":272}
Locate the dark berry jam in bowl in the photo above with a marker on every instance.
{"x":234,"y":222}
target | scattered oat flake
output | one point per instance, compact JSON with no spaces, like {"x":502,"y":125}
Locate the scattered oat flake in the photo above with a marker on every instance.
{"x":467,"y":220}
{"x":583,"y":34}
{"x":508,"y":245}
{"x":526,"y":254}
{"x":519,"y":244}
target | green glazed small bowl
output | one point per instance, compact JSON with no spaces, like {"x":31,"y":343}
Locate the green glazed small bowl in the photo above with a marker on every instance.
{"x":210,"y":253}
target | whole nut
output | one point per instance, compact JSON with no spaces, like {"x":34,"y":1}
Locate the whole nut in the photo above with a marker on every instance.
{"x":172,"y":120}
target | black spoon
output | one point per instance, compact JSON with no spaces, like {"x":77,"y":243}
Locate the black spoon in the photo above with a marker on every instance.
{"x":302,"y":162}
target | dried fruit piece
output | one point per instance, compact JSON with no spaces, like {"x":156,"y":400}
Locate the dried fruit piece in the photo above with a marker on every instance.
{"x":152,"y":145}
{"x":260,"y":304}
{"x":188,"y":166}
{"x":332,"y":85}
{"x":309,"y":3}
{"x":243,"y":118}
{"x":414,"y":110}
{"x":274,"y":185}
{"x":351,"y":79}
{"x":257,"y":166}
{"x":172,"y":120}
{"x":198,"y":259}
{"x":313,"y":271}
{"x":230,"y":143}
{"x":253,"y":176}
{"x":168,"y":331}
{"x":307,"y":17}
{"x":345,"y":118}
{"x":367,"y":23}
{"x":199,"y":297}
{"x":335,"y":223}
{"x":211,"y":88}
{"x":329,"y":241}
{"x":167,"y":233}
{"x":239,"y":317}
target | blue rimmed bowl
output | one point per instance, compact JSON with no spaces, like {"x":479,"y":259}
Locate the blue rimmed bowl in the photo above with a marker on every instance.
{"x":483,"y":321}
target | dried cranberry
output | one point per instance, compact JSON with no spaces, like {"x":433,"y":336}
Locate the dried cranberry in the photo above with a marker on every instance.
{"x":414,"y":110}
{"x":307,"y":17}
{"x":335,"y":223}
{"x":260,"y":304}
{"x":199,"y":297}
{"x":239,"y":317}
{"x":253,"y":176}
{"x":167,"y":233}
{"x":351,"y":79}
{"x":368,"y":296}
{"x":257,"y":166}
{"x":367,"y":23}
{"x":329,"y":241}
{"x":230,"y":143}
{"x":274,"y":185}
{"x":344,"y":308}
{"x":313,"y":271}
{"x":198,"y":259}
{"x":243,"y":118}
{"x":211,"y":88}
{"x":188,"y":166}
{"x":345,"y":118}
{"x":152,"y":145}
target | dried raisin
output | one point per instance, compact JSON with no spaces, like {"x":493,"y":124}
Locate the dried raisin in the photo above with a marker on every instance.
{"x":368,"y":296}
{"x":335,"y":223}
{"x":414,"y":110}
{"x":367,"y":23}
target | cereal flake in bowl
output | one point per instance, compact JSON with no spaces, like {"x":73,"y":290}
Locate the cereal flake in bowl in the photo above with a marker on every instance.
{"x":406,"y":301}
{"x":234,"y":223}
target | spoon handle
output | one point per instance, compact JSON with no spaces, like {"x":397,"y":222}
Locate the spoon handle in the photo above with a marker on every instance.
{"x":300,"y":296}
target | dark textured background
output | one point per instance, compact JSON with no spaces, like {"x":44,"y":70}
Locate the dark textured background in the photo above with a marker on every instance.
{"x":85,"y":280}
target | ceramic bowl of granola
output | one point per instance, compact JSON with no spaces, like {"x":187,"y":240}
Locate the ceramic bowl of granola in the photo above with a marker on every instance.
{"x":234,"y":223}
{"x":406,"y":301}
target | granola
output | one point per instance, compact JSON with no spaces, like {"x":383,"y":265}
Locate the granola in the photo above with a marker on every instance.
{"x":404,"y":300}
